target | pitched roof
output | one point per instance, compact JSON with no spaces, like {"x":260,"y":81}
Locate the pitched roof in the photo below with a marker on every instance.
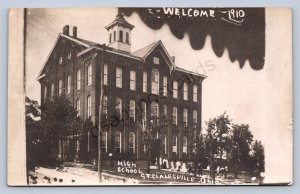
{"x":143,"y":51}
{"x":120,"y":20}
{"x":139,"y":54}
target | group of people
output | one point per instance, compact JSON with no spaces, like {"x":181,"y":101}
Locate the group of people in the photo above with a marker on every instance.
{"x":195,"y":168}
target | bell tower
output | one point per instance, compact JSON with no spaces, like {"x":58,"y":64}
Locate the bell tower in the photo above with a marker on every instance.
{"x":119,"y":33}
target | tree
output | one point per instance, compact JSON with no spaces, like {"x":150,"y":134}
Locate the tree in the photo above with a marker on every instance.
{"x":59,"y":120}
{"x":33,"y":132}
{"x":257,"y":158}
{"x":241,"y":147}
{"x":217,"y":140}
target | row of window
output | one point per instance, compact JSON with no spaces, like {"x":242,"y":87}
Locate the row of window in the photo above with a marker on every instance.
{"x":155,"y":89}
{"x":154,"y":111}
{"x":113,"y":37}
{"x":132,"y":110}
{"x":154,"y":83}
{"x":132,"y":143}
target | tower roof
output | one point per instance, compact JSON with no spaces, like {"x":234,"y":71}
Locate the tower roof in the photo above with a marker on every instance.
{"x":119,"y":20}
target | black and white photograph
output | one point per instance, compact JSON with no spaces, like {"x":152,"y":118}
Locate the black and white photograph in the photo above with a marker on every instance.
{"x":150,"y":96}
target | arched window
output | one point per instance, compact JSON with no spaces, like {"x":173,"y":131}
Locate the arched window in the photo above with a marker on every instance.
{"x":174,"y":144}
{"x":121,"y":36}
{"x":45,"y":93}
{"x":78,"y":80}
{"x":154,"y":109}
{"x":195,"y":93}
{"x":165,"y":85}
{"x":144,"y":81}
{"x":185,"y":91}
{"x":118,"y":142}
{"x":154,"y":81}
{"x":78,"y":107}
{"x":89,"y":106}
{"x":52,"y":90}
{"x":69,"y":84}
{"x":127,"y":37}
{"x":185,"y":117}
{"x":60,"y":87}
{"x":184,"y":145}
{"x":119,"y":107}
{"x":131,"y":142}
{"x":194,"y":116}
{"x":110,"y":38}
{"x":89,"y":79}
{"x":104,"y":141}
{"x":144,"y":113}
{"x":105,"y":105}
{"x":105,"y":75}
{"x":175,"y":89}
{"x":132,"y":110}
{"x":132,"y":80}
{"x":118,"y":77}
{"x":175,"y":115}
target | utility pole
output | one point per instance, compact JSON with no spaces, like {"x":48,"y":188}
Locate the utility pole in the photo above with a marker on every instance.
{"x":100,"y":114}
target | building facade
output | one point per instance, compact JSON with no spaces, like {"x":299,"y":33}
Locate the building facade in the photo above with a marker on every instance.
{"x":148,"y":103}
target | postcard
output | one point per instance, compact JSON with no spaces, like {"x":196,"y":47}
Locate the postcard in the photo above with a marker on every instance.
{"x":150,"y":96}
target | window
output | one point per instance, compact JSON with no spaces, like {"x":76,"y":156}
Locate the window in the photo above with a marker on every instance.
{"x":119,"y":107}
{"x":109,"y":37}
{"x":164,"y":144}
{"x":165,"y":85}
{"x":118,"y":139}
{"x":194,"y":116}
{"x":165,"y":110}
{"x":78,"y":80}
{"x":144,"y":81}
{"x":144,"y":113}
{"x":60,"y":87}
{"x":132,"y":110}
{"x":119,"y":77}
{"x":104,"y":141}
{"x":89,"y":79}
{"x":131,"y":142}
{"x":78,"y":107}
{"x":195,"y":93}
{"x":154,"y":81}
{"x":154,"y":109}
{"x":89,"y":106}
{"x":105,"y":75}
{"x":132,"y":80}
{"x":60,"y":60}
{"x":156,"y":60}
{"x":114,"y":35}
{"x":184,"y":145}
{"x":185,"y":117}
{"x":121,"y":36}
{"x":52,"y":90}
{"x":174,"y":144}
{"x":69,"y":84}
{"x":175,"y":89}
{"x":105,"y":105}
{"x":185,"y":91}
{"x":70,"y":55}
{"x":127,"y":37}
{"x":175,"y":115}
{"x":45,"y":93}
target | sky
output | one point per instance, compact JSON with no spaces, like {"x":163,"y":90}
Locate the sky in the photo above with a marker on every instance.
{"x":261,"y":98}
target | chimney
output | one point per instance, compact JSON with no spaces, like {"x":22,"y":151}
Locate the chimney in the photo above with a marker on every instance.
{"x":173,"y":59}
{"x":74,"y":31}
{"x":66,"y":30}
